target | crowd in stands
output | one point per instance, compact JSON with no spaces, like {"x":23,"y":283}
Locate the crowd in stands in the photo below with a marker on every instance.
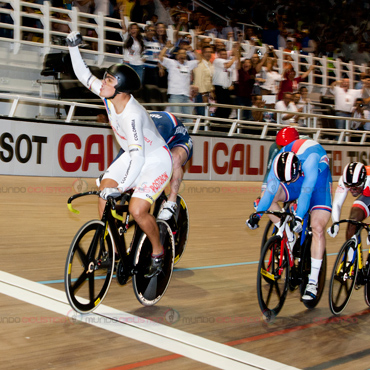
{"x":204,"y":70}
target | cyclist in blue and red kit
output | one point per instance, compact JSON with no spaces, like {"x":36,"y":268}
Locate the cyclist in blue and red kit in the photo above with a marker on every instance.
{"x":301,"y":171}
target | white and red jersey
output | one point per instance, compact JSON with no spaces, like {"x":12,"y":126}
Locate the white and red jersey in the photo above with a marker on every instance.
{"x":341,"y":195}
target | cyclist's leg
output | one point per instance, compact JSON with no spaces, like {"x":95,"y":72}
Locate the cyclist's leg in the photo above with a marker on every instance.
{"x":359,"y":211}
{"x":320,"y":214}
{"x":179,"y":158}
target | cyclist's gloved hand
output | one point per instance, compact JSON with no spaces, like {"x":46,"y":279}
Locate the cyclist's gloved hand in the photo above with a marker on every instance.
{"x":110,"y":192}
{"x":253,"y":221}
{"x":74,"y":39}
{"x":297,"y":228}
{"x":333,"y":230}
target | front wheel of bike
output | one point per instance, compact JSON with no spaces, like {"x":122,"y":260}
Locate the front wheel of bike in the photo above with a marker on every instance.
{"x":89,"y":266}
{"x":272,"y":277}
{"x":150,"y":290}
{"x":343,"y":277}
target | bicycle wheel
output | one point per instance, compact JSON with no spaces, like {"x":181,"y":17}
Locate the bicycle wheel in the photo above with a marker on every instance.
{"x":182,"y":233}
{"x":89,"y":266}
{"x":268,"y":233}
{"x":343,"y":277}
{"x":305,"y":273}
{"x":367,"y":277}
{"x":272,"y":278}
{"x":150,"y":290}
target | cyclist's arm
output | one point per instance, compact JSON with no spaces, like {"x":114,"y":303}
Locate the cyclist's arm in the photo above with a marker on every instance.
{"x":273,"y":151}
{"x":135,"y":140}
{"x":83,"y":72}
{"x":339,"y":198}
{"x":270,"y":192}
{"x":311,"y":172}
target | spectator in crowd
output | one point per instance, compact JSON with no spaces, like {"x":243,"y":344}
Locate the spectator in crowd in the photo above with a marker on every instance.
{"x":282,"y":38}
{"x":257,"y":101}
{"x":344,"y":98}
{"x":290,"y":45}
{"x":287,"y":104}
{"x":359,"y":111}
{"x":272,"y":77}
{"x":360,"y":84}
{"x":222,"y":80}
{"x":290,"y":82}
{"x":203,"y":79}
{"x":152,"y":48}
{"x":179,"y":77}
{"x":304,"y":103}
{"x":366,"y":91}
{"x":133,"y":48}
{"x":361,"y":56}
{"x":244,"y":86}
{"x":309,"y":45}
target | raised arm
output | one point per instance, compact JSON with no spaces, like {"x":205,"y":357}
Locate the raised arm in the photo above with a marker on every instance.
{"x":80,"y":69}
{"x":309,"y":70}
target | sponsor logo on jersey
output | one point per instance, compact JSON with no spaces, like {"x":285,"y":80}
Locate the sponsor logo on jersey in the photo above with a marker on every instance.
{"x":136,"y":137}
{"x":158,"y":182}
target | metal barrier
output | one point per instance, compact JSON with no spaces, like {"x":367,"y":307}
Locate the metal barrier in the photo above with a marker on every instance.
{"x":208,"y":124}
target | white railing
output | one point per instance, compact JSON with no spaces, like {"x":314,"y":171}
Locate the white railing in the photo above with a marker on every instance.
{"x":205,"y":124}
{"x":47,"y":37}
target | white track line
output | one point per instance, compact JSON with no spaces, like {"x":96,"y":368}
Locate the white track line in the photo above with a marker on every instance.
{"x":134,"y":327}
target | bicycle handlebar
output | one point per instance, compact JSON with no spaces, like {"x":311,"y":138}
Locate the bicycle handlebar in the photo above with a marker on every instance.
{"x":110,"y":200}
{"x":353,"y":222}
{"x":279,"y":214}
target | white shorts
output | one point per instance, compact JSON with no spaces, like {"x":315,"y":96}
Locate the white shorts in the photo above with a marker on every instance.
{"x":154,"y":177}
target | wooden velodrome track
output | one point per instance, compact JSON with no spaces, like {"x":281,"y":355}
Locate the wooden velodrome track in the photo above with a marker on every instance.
{"x":208,"y":318}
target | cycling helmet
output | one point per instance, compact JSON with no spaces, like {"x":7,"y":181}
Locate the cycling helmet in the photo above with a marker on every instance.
{"x":354,"y":175}
{"x":286,"y":135}
{"x":287,"y":167}
{"x":127,"y":78}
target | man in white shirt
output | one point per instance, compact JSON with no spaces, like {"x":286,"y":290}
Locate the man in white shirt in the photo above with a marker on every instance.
{"x":344,"y":100}
{"x":222,"y":80}
{"x":286,"y":104}
{"x":179,"y":77}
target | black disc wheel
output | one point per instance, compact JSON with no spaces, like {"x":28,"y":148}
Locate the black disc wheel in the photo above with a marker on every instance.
{"x":150,"y":290}
{"x":181,"y":233}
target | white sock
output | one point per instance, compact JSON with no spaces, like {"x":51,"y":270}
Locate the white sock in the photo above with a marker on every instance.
{"x":315,"y":269}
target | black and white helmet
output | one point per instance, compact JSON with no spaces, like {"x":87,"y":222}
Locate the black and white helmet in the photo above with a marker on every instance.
{"x":354,"y":175}
{"x":287,"y":167}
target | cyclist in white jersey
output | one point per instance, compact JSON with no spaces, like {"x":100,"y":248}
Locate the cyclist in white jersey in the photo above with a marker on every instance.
{"x":146,"y":165}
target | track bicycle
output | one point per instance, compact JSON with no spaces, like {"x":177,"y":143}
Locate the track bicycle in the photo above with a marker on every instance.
{"x":280,"y":269}
{"x":349,"y":271}
{"x":91,"y":258}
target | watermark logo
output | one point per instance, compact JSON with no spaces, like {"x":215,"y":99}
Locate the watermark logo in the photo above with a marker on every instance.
{"x":80,"y":186}
{"x":171,"y":316}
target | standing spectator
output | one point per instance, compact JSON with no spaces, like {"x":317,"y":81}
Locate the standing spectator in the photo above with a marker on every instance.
{"x":151,"y":52}
{"x":290,"y":82}
{"x":272,"y":77}
{"x":222,"y":81}
{"x":133,"y":49}
{"x":344,"y":98}
{"x":162,"y":9}
{"x":359,"y":111}
{"x":179,"y":76}
{"x":366,"y":91}
{"x":203,"y":79}
{"x":244,"y":86}
{"x":282,"y":38}
{"x":287,"y":104}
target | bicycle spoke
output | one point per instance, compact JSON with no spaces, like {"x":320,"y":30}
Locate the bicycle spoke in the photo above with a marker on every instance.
{"x":79,"y":281}
{"x":82,"y":256}
{"x":91,"y":287}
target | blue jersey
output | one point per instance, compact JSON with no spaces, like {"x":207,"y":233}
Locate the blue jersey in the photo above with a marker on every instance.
{"x":315,"y":179}
{"x":173,"y":131}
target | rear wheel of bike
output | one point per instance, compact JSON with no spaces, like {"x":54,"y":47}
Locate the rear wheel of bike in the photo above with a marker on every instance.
{"x":343,"y":277}
{"x":367,"y":277}
{"x":182,"y":233}
{"x":305,"y":273}
{"x":89,"y":266}
{"x":272,"y":277}
{"x":150,"y":290}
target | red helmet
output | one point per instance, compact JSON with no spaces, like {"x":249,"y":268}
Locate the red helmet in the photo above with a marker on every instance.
{"x":286,"y":135}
